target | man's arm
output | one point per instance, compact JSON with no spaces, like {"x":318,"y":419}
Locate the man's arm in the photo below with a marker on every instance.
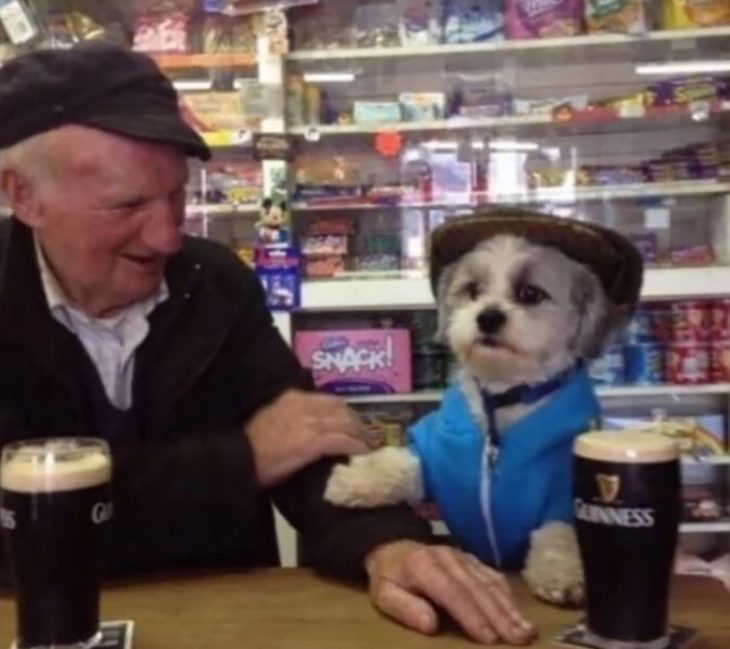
{"x":389,"y":546}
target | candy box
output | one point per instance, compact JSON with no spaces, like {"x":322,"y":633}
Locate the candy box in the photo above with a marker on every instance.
{"x":690,"y":14}
{"x":618,"y":16}
{"x":473,"y":21}
{"x":544,"y":18}
{"x":420,"y":21}
{"x":362,"y":361}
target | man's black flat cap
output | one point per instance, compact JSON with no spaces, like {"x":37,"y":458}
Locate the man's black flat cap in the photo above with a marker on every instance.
{"x":93,"y":84}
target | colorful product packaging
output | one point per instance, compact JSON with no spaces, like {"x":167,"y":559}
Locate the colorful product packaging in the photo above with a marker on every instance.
{"x":688,"y":363}
{"x":279,"y":270}
{"x":352,"y":362}
{"x":720,"y":361}
{"x":690,"y":14}
{"x":697,"y":436}
{"x":422,"y":106}
{"x":691,"y":321}
{"x":544,"y":18}
{"x":616,"y":16}
{"x":473,"y":21}
{"x":420,"y":22}
{"x":376,"y":112}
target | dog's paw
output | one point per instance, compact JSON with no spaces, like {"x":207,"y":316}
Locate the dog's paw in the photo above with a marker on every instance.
{"x":553,"y":570}
{"x":386,"y":477}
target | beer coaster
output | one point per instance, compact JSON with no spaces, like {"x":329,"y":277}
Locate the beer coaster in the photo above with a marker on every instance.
{"x":576,"y":637}
{"x":114,"y":635}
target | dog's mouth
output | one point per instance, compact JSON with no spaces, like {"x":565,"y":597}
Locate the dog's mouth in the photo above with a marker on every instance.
{"x":492,"y":342}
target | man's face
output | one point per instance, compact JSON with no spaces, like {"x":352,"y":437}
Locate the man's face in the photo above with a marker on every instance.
{"x":111,"y":214}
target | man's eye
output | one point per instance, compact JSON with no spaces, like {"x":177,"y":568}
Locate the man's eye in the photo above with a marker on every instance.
{"x":131,"y":205}
{"x":472,"y":290}
{"x":529,"y":294}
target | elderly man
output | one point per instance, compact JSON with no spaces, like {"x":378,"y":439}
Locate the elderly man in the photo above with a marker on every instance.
{"x":115,"y":325}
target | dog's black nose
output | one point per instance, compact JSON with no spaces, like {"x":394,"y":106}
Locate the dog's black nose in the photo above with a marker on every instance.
{"x":491,"y":320}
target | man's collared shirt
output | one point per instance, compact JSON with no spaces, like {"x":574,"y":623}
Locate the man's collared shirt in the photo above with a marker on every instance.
{"x":111,"y":342}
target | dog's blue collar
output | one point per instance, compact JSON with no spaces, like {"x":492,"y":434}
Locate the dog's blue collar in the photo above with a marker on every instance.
{"x":519,"y":394}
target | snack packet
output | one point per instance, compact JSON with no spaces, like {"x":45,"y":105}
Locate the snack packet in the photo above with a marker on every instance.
{"x":690,"y":14}
{"x":544,"y":18}
{"x":467,"y":21}
{"x":420,"y":21}
{"x":616,"y":16}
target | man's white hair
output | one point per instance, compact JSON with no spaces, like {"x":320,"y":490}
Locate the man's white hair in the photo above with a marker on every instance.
{"x":32,"y":157}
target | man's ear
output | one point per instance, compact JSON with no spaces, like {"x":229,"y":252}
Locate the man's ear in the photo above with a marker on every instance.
{"x":443,"y":309}
{"x":22,"y":194}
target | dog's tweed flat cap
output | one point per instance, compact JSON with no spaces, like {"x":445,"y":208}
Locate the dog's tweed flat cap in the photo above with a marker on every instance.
{"x":610,"y":256}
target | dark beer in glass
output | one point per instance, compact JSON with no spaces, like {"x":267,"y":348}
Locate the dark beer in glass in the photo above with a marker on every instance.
{"x":627,"y":509}
{"x":54,"y":502}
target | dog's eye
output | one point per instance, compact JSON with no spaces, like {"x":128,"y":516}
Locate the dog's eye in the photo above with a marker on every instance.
{"x":530,"y":295}
{"x":472,"y":290}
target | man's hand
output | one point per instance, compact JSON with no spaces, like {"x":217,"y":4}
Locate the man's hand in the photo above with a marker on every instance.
{"x":299,"y":428}
{"x":407,"y":578}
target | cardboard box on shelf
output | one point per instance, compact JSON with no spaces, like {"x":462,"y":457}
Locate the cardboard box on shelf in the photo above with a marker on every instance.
{"x":365,"y":361}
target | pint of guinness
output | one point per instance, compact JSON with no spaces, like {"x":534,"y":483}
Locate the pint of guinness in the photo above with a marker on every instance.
{"x":627,"y":507}
{"x":54,"y":501}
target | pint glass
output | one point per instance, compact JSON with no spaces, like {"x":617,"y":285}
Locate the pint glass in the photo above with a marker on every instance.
{"x":627,"y":508}
{"x":54,"y":501}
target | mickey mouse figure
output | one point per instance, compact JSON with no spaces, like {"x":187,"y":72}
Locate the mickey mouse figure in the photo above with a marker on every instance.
{"x":273,"y":224}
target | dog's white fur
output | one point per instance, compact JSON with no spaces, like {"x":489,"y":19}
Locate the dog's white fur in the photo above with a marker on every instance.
{"x":536,"y":343}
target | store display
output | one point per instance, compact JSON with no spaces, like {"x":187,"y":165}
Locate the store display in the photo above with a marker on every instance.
{"x":690,"y":14}
{"x":279,"y":269}
{"x":163,"y":26}
{"x":473,"y":21}
{"x":420,"y":21}
{"x":682,"y":343}
{"x":228,"y":183}
{"x":375,"y":361}
{"x":18,"y":21}
{"x":703,"y":503}
{"x":273,"y":226}
{"x":618,"y":16}
{"x":556,"y":18}
{"x":701,"y":436}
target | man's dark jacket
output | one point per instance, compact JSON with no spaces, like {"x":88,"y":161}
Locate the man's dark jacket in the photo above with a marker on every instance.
{"x":184,"y":487}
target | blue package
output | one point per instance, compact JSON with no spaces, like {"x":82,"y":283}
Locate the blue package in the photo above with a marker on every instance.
{"x":420,"y":22}
{"x":279,"y":270}
{"x":473,"y":21}
{"x":644,"y":363}
{"x":641,"y":327}
{"x":609,"y":369}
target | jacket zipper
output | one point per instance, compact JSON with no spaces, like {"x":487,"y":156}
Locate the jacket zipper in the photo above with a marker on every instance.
{"x":486,"y":502}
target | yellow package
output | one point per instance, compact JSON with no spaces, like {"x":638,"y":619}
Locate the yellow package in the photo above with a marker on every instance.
{"x":689,"y":14}
{"x":616,"y":16}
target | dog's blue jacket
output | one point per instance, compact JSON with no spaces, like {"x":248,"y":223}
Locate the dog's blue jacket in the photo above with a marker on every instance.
{"x":491,"y":511}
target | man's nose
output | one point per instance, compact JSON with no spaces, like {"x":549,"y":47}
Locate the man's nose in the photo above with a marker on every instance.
{"x":491,"y":320}
{"x":161,"y":231}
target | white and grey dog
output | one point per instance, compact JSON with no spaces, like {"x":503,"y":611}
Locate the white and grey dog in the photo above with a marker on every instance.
{"x":521,"y":318}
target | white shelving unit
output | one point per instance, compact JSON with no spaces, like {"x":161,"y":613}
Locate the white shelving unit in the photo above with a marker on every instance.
{"x":415,"y":292}
{"x":657,"y":120}
{"x":686,"y":188}
{"x":544,"y":47}
{"x":619,"y":392}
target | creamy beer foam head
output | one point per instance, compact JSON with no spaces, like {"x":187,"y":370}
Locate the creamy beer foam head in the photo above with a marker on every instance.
{"x":626,"y":446}
{"x":54,"y":465}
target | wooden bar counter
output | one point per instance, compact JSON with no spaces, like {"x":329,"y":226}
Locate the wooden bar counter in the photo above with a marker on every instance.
{"x":293,"y":609}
